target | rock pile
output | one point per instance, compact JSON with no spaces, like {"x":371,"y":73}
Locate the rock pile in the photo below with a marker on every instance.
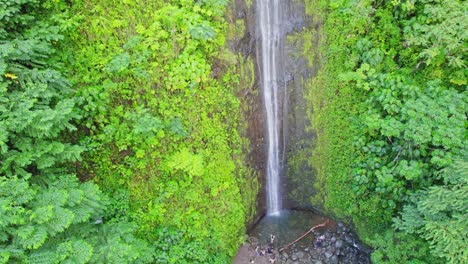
{"x":327,"y":247}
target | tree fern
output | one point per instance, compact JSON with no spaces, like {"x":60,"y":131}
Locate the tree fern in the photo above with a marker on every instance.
{"x":439,"y":214}
{"x":46,"y":214}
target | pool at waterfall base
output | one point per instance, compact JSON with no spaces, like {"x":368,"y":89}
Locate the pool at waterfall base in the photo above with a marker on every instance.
{"x":270,"y":240}
{"x":287,"y":226}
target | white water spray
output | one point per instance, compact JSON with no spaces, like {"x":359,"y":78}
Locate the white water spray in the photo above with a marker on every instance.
{"x":269,"y":19}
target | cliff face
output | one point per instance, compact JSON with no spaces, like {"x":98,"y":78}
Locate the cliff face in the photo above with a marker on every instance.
{"x":298,"y":33}
{"x":298,"y":135}
{"x":241,"y":43}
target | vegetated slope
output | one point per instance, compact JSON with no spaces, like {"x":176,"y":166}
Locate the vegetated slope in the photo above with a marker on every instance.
{"x":46,"y":214}
{"x":155,"y":124}
{"x":160,"y":122}
{"x":389,"y":105}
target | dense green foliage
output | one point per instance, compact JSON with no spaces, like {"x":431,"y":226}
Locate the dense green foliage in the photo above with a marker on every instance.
{"x":120,"y":130}
{"x":46,"y":214}
{"x":439,"y":214}
{"x":161,"y":122}
{"x":124,"y":93}
{"x":160,"y":131}
{"x":37,"y":103}
{"x":60,"y":221}
{"x":390,"y":105}
{"x":397,"y":247}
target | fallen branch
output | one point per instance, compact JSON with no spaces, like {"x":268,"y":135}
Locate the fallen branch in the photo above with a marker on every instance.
{"x":304,"y":235}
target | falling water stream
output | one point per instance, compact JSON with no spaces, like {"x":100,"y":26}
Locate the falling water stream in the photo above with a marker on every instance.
{"x":269,"y":25}
{"x":282,"y":76}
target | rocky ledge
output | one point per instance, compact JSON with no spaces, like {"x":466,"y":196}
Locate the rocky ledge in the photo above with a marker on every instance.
{"x":325,"y":247}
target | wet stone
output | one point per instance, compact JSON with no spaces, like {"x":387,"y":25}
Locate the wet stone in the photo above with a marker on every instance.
{"x":348,"y":239}
{"x":339,"y":244}
{"x":334,"y":259}
{"x":321,"y":247}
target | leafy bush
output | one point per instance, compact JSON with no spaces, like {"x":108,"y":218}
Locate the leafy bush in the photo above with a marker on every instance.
{"x":173,"y":247}
{"x":439,"y":214}
{"x":394,"y":117}
{"x":61,"y":222}
{"x":409,"y":133}
{"x":160,"y":122}
{"x":398,"y":247}
{"x":46,"y":214}
{"x":37,"y":102}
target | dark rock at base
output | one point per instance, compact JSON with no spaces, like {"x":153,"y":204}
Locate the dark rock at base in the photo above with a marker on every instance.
{"x":348,"y":239}
{"x":334,"y":259}
{"x":326,"y":247}
{"x":339,"y":243}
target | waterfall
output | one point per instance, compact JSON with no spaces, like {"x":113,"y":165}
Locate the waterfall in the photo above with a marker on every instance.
{"x":269,"y":26}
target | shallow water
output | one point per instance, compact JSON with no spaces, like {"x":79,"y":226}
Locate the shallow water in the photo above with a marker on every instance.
{"x":287,"y":226}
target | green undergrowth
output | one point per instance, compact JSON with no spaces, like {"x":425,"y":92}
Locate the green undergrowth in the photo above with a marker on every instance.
{"x":46,"y":214}
{"x":389,"y":109}
{"x":332,"y":107}
{"x":160,"y":122}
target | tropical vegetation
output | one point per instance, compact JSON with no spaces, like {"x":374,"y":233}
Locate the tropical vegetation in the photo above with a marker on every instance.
{"x":390,"y":104}
{"x":122,"y":138}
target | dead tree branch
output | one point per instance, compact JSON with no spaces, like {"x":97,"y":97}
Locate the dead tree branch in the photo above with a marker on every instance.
{"x":304,"y":235}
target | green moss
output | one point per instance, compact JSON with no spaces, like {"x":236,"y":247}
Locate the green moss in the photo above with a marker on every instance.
{"x":246,"y":90}
{"x":162,"y":120}
{"x":332,"y":108}
{"x":300,"y":175}
{"x":378,"y":113}
{"x":249,"y":3}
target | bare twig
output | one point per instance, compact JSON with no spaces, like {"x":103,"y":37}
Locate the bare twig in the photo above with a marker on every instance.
{"x":398,"y":155}
{"x":304,"y":235}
